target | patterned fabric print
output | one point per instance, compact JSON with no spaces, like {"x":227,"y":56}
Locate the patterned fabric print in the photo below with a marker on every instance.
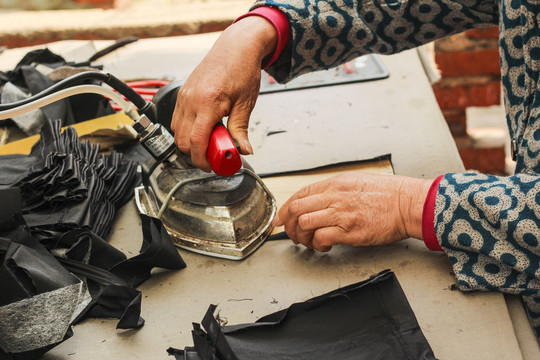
{"x":327,"y":33}
{"x":520,"y":67}
{"x":503,"y":251}
{"x":489,"y":228}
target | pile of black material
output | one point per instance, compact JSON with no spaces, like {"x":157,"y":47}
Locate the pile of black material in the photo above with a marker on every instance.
{"x":368,"y":320}
{"x":29,"y":78}
{"x":26,"y":80}
{"x":67,"y":184}
{"x":52,"y":246}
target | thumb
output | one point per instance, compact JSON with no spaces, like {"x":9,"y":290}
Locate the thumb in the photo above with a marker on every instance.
{"x":238,"y":128}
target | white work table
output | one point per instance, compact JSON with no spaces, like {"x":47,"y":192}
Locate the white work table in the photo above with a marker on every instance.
{"x":397,"y":115}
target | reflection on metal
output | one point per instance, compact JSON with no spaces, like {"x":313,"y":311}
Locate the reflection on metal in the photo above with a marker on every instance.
{"x":222,"y":217}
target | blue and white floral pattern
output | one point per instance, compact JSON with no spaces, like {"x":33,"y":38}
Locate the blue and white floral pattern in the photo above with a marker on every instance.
{"x":489,"y":226}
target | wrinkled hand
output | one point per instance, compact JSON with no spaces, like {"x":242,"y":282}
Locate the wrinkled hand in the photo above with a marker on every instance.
{"x":225,"y":83}
{"x":356,"y":209}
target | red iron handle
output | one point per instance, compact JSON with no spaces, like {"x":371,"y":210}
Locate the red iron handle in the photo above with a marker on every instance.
{"x":222,"y":153}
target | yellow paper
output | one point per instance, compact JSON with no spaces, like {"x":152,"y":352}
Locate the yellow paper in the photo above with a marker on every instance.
{"x":113,"y":121}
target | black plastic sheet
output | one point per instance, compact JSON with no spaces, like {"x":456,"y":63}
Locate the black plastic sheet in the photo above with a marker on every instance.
{"x":27,"y":77}
{"x":67,"y":184}
{"x":368,"y":320}
{"x":30,"y":80}
{"x":52,"y":238}
{"x":27,"y":269}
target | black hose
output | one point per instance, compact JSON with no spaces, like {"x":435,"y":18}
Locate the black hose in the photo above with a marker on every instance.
{"x":76,"y":79}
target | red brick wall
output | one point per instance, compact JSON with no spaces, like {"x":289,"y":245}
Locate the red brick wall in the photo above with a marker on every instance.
{"x":105,"y":4}
{"x":470,"y":70}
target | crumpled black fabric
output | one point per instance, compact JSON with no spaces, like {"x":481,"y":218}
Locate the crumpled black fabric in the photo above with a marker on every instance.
{"x":29,"y":267}
{"x":26,"y":267}
{"x":24,"y":259}
{"x":70,"y":193}
{"x":368,"y":320}
{"x":71,"y":110}
{"x":67,"y":184}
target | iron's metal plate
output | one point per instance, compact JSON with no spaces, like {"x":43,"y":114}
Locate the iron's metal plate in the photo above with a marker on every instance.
{"x":230,"y":231}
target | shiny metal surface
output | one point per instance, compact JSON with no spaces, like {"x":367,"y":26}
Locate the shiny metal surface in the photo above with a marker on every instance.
{"x":223,"y":217}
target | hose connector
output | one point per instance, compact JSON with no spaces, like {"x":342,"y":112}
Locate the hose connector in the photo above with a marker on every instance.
{"x":154,"y":138}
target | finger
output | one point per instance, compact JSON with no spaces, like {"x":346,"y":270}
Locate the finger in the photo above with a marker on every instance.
{"x":182,"y":133}
{"x":199,"y":139}
{"x":300,"y":208}
{"x":215,"y":107}
{"x":305,"y":238}
{"x":284,"y":211}
{"x":324,"y":238}
{"x":291,"y":232}
{"x":181,"y":124}
{"x":311,"y":221}
{"x":310,"y":204}
{"x":238,"y":128}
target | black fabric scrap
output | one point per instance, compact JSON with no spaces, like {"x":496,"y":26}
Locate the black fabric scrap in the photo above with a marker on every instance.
{"x":67,"y":184}
{"x":110,"y":276}
{"x":157,"y":250}
{"x":368,"y":320}
{"x":39,"y":56}
{"x":37,"y":82}
{"x":70,"y":193}
{"x":26,"y":267}
{"x":68,"y":111}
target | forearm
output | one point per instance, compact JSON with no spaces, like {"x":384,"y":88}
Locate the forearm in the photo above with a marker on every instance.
{"x":324,"y":34}
{"x":255,"y":32}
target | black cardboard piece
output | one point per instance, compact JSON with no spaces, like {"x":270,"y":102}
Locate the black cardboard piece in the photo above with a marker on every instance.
{"x":368,"y":320}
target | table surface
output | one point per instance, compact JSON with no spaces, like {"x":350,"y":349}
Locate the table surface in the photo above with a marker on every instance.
{"x":398,"y":115}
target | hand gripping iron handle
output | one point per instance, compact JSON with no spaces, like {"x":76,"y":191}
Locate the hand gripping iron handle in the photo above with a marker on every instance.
{"x":222,"y":153}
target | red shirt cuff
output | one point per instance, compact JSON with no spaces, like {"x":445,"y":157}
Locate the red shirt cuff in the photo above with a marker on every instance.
{"x":281,"y":24}
{"x":428,"y":217}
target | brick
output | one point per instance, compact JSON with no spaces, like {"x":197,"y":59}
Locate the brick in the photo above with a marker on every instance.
{"x":461,"y":42}
{"x":104,"y":4}
{"x":487,"y":161}
{"x":491,"y":32}
{"x":457,"y":121}
{"x":478,"y":62}
{"x":461,"y":97}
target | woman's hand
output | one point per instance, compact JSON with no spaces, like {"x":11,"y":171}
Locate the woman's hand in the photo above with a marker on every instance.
{"x":225,"y":83}
{"x":356,"y":209}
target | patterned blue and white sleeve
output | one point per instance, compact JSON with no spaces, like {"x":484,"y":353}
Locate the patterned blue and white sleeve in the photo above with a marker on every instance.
{"x":324,"y":34}
{"x":489,"y":226}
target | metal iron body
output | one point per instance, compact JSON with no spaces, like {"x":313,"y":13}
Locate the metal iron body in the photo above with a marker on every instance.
{"x":227,"y":217}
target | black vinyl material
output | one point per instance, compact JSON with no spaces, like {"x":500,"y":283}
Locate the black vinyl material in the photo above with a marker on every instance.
{"x":67,"y":184}
{"x":69,"y":111}
{"x":368,"y":320}
{"x":58,"y":205}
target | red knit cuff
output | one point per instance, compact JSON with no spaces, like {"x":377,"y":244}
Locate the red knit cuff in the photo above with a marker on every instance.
{"x":281,"y":24}
{"x":428,"y":217}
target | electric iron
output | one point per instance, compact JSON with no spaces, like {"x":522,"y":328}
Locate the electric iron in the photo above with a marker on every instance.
{"x":226,"y":214}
